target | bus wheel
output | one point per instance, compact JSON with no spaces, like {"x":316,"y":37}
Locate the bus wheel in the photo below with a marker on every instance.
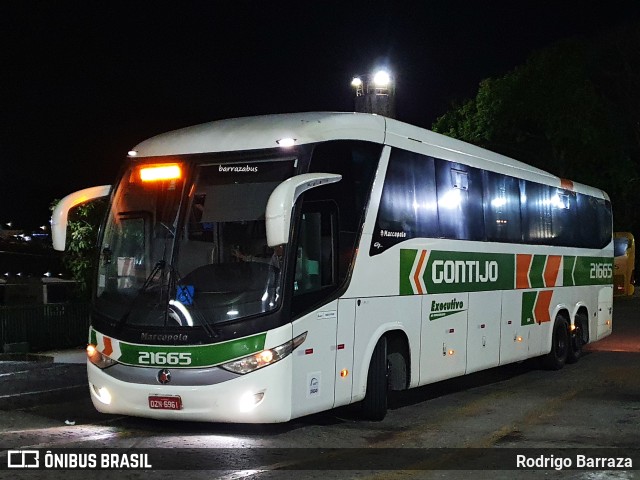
{"x":557,"y":357}
{"x":577,"y":338}
{"x":374,"y":405}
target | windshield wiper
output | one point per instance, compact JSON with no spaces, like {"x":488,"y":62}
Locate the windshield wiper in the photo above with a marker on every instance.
{"x":158,"y":267}
{"x":174,"y":277}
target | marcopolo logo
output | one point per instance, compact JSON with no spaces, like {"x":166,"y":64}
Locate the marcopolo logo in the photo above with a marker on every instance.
{"x":443,"y":309}
{"x":434,"y":271}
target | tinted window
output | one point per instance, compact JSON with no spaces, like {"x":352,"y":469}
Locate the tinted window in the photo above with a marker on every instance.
{"x":430,"y":197}
{"x":594,"y":221}
{"x":501,"y":208}
{"x":549,"y":214}
{"x":357,"y":163}
{"x":315,"y":267}
{"x":564,"y":217}
{"x":408,"y":206}
{"x":459,"y":190}
{"x":620,"y":246}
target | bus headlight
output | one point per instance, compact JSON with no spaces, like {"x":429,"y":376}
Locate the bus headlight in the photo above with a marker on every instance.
{"x":98,"y":359}
{"x":265,"y":357}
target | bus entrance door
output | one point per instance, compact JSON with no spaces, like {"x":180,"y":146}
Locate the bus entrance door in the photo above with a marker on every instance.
{"x":314,"y":362}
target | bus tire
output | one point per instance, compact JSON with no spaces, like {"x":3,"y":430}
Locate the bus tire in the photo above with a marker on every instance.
{"x":374,"y":404}
{"x":557,"y":357}
{"x":577,"y":338}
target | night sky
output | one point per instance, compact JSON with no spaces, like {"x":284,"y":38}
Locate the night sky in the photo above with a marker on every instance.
{"x":83,"y":82}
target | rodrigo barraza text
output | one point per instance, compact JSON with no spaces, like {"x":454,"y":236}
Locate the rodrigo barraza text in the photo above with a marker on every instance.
{"x":580,"y":461}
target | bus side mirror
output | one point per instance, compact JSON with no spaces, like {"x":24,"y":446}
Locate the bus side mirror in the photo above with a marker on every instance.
{"x":282,"y":200}
{"x":61,"y":212}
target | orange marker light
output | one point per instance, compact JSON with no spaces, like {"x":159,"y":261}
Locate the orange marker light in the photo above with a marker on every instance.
{"x":91,"y":350}
{"x":154,"y":173}
{"x":344,"y":372}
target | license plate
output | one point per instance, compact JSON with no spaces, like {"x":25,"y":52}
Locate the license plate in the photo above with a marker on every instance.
{"x":167,"y":402}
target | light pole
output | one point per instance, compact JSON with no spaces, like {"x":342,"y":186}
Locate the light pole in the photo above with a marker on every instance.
{"x":375,"y":93}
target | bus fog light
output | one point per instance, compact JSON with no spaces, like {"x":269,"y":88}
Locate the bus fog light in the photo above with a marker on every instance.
{"x":250,"y":400}
{"x":101,"y":394}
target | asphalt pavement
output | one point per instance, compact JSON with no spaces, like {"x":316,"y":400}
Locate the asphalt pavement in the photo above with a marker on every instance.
{"x":28,"y":380}
{"x":35,"y":379}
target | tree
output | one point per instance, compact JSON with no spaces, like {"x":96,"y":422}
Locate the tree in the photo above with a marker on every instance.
{"x":81,"y":253}
{"x":572,"y":109}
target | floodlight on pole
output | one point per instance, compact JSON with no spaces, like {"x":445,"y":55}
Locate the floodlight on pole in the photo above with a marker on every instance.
{"x":375,"y":93}
{"x":381,"y":78}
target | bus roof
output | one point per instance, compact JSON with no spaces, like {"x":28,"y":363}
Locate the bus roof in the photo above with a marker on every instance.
{"x":263,"y":132}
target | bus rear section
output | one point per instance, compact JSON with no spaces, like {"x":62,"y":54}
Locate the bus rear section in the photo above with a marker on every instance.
{"x":624,"y":264}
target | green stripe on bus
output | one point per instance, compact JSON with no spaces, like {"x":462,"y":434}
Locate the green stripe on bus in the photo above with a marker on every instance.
{"x":528,"y":304}
{"x":537,"y":270}
{"x":568,"y":263}
{"x":452,"y":272}
{"x":200,"y":355}
{"x":593,"y":271}
{"x":407,"y":258}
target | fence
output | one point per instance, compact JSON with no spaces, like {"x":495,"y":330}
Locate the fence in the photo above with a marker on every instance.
{"x":45,"y":327}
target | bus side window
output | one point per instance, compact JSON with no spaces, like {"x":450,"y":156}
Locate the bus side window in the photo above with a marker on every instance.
{"x":408,"y":203}
{"x":549,"y":215}
{"x":501,"y":202}
{"x":459,"y":189}
{"x":594,"y":221}
{"x":316,"y":259}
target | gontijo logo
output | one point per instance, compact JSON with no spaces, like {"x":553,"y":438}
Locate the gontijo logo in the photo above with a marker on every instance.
{"x":461,"y":271}
{"x":425,"y":271}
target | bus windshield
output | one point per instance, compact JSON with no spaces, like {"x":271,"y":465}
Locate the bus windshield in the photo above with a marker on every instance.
{"x":620,"y":245}
{"x":212,"y":266}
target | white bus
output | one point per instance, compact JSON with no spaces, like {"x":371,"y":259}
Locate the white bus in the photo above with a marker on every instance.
{"x":261,"y":269}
